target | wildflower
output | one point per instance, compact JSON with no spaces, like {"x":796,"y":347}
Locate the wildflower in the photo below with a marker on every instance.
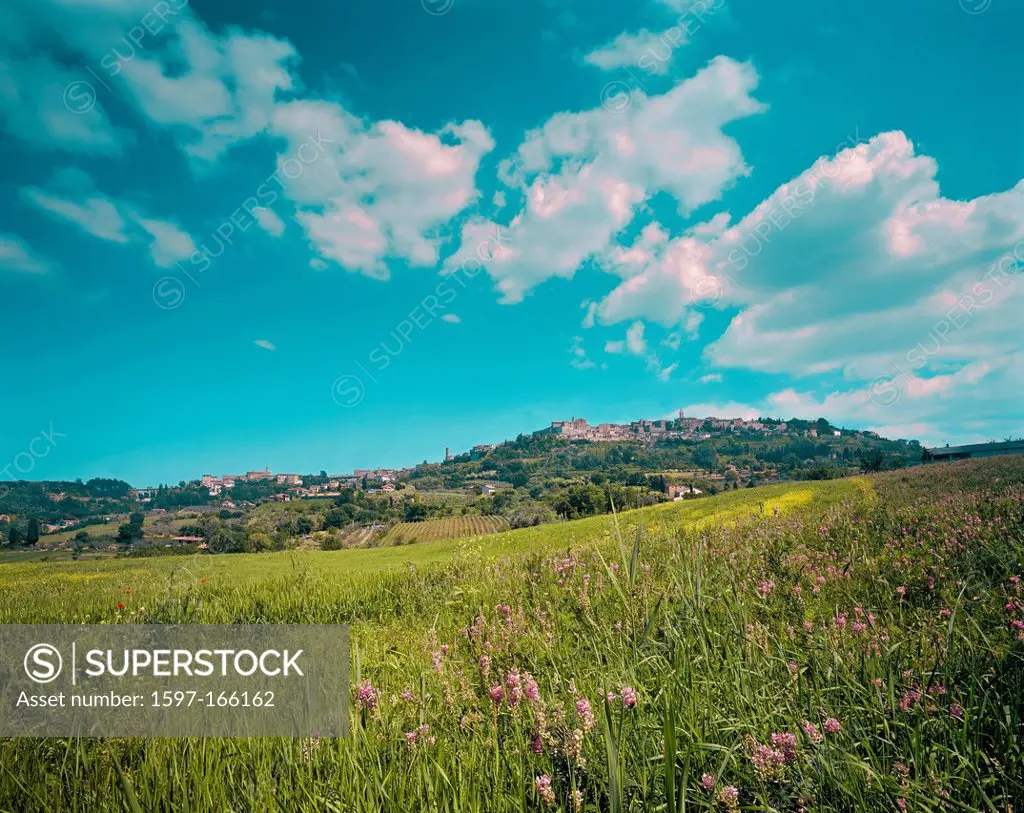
{"x":530,"y":689}
{"x":729,"y":796}
{"x":586,"y":714}
{"x":628,"y":696}
{"x":611,"y":697}
{"x":203,"y":580}
{"x":120,"y":606}
{"x":577,"y":799}
{"x":811,"y":730}
{"x":901,"y":591}
{"x":408,"y":696}
{"x":945,"y":612}
{"x":840,"y":621}
{"x":832,"y":726}
{"x":785,"y":742}
{"x":536,"y":744}
{"x":707,"y":781}
{"x":128,"y":592}
{"x":765,"y":587}
{"x":497,"y":692}
{"x":878,"y":682}
{"x":957,"y":711}
{"x":574,"y":748}
{"x":542,"y":784}
{"x":808,"y":627}
{"x":793,"y":667}
{"x":366,"y":695}
{"x":768,"y":762}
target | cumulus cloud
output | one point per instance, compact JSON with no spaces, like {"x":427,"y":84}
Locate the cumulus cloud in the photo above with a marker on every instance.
{"x":380,"y":190}
{"x":583,"y":176}
{"x":264,"y":344}
{"x":858,"y":266}
{"x":451,"y":318}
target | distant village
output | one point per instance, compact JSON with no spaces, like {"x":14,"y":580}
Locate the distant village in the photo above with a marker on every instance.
{"x":375,"y":481}
{"x":681,"y":428}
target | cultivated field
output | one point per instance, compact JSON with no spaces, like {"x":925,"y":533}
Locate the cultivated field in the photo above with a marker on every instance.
{"x":837,"y":646}
{"x":432,"y":530}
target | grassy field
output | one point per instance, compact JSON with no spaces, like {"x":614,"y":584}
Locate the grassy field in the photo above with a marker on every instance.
{"x":432,"y":530}
{"x":841,"y":645}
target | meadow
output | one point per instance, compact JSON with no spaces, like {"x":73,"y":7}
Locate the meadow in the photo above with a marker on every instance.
{"x":841,"y":645}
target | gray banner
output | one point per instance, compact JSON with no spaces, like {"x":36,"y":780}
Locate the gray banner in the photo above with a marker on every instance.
{"x":195,"y":680}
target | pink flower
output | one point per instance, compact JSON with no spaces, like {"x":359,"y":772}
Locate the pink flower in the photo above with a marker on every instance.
{"x":901,"y":591}
{"x":536,"y":744}
{"x":765,"y":587}
{"x":707,"y":781}
{"x":628,"y":696}
{"x":811,"y":730}
{"x":542,"y":784}
{"x":366,"y":695}
{"x":945,"y":612}
{"x":957,"y":711}
{"x":840,"y":621}
{"x":408,"y":696}
{"x":785,"y":742}
{"x":587,"y":719}
{"x":832,"y":726}
{"x":497,"y":692}
{"x":793,"y":667}
{"x":729,"y":796}
{"x":530,"y":688}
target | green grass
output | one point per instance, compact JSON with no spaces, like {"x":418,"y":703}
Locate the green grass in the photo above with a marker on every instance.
{"x":673,"y":601}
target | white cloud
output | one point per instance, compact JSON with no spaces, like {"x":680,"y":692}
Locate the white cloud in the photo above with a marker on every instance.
{"x":74,"y":199}
{"x":212,"y":92}
{"x":49,"y":106}
{"x":635,"y":342}
{"x":648,"y":50}
{"x":17,"y":255}
{"x":451,"y":318}
{"x":380,"y":190}
{"x":711,"y":378}
{"x":856,"y":268}
{"x":584,"y":175}
{"x":269,"y":221}
{"x":264,"y":344}
{"x":666,"y":373}
{"x":169,"y":243}
{"x":317,"y":264}
{"x":578,"y":355}
{"x":96,"y":214}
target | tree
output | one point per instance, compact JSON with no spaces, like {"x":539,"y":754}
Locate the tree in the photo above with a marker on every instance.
{"x":32,"y":535}
{"x":131,"y":531}
{"x":15,"y":535}
{"x":706,"y":456}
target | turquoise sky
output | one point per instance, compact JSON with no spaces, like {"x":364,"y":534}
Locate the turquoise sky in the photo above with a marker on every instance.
{"x":326,"y":236}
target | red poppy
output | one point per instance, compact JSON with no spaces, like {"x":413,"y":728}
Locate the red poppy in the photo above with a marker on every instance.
{"x":128,"y":592}
{"x":120,"y":606}
{"x":203,"y":580}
